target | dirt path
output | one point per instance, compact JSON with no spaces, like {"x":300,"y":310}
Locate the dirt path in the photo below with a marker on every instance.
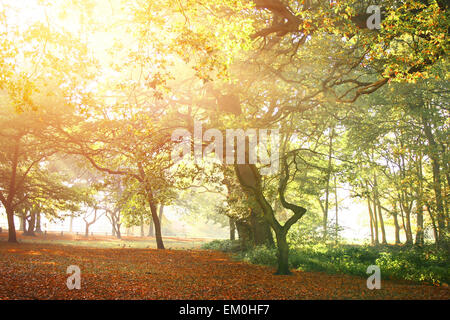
{"x":38,"y":271}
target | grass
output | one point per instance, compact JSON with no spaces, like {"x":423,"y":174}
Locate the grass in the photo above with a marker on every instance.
{"x":426,"y":264}
{"x":108,"y":241}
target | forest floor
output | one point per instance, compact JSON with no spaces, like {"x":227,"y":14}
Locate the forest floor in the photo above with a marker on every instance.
{"x":38,"y":271}
{"x":108,"y":241}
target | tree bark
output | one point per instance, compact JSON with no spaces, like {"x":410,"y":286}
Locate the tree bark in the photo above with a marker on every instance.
{"x":156,"y":222}
{"x":31,"y":224}
{"x":250,"y":179}
{"x":11,"y":228}
{"x":283,"y":254}
{"x":71,"y":223}
{"x":86,"y":231}
{"x":409,"y":236}
{"x":397,"y":228}
{"x":260,"y":230}
{"x":337,"y":211}
{"x":232,"y":229}
{"x":161,"y":212}
{"x":38,"y":222}
{"x":433,"y":222}
{"x":22,"y":226}
{"x":375,"y":222}
{"x":436,"y":180}
{"x":327,"y":189}
{"x":420,"y":239}
{"x":118,"y":233}
{"x":371,"y":222}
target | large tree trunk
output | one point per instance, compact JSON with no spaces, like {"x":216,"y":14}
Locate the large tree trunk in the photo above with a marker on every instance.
{"x":118,"y":233}
{"x":11,"y":228}
{"x":22,"y":222}
{"x":38,"y":222}
{"x":249,"y":177}
{"x":244,"y":233}
{"x":283,"y":254}
{"x":31,"y":224}
{"x":260,"y":230}
{"x":383,"y":232}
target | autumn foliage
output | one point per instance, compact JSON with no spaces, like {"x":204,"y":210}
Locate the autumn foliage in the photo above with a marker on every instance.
{"x":37,"y":271}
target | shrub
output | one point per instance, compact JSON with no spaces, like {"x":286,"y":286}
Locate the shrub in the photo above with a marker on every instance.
{"x":425,"y":264}
{"x":260,"y":255}
{"x":222,"y":245}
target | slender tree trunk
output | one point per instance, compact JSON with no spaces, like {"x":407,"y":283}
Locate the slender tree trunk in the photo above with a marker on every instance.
{"x":419,"y":234}
{"x":86,"y":231}
{"x":71,"y":224}
{"x":327,"y":188}
{"x":433,"y":223}
{"x":408,"y":226}
{"x":375,"y":222}
{"x":420,"y":231}
{"x":151,"y":232}
{"x":377,"y":209}
{"x":161,"y":212}
{"x":436,"y":181}
{"x":371,"y":222}
{"x":31,"y":223}
{"x":383,"y":232}
{"x":337,"y":209}
{"x":157,"y":224}
{"x":232,"y":229}
{"x":142,"y":229}
{"x":397,"y":228}
{"x":118,"y":233}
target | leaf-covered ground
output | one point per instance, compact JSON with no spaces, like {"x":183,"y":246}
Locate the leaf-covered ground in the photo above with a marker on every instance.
{"x":38,"y":271}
